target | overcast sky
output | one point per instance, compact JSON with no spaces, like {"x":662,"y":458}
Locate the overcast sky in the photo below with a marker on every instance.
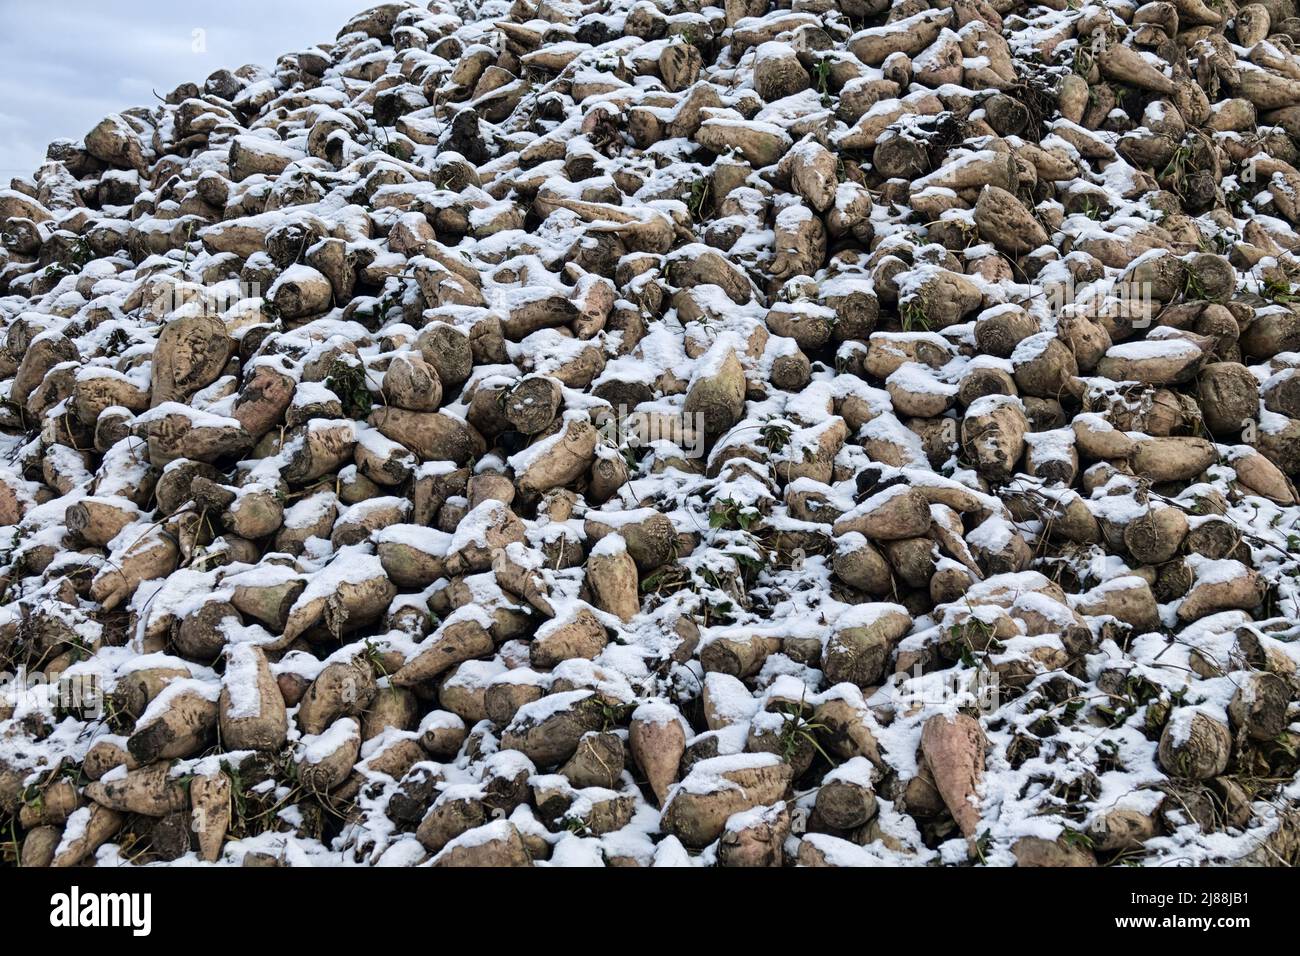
{"x":65,"y":64}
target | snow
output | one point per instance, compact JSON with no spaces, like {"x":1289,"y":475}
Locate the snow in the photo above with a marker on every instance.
{"x":352,"y":564}
{"x":709,"y":776}
{"x":535,"y":712}
{"x":315,"y":748}
{"x":161,"y":704}
{"x":240,"y":682}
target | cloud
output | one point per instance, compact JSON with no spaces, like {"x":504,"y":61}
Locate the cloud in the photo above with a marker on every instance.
{"x":65,"y":65}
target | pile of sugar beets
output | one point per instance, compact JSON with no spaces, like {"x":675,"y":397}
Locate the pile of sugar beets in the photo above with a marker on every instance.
{"x":644,"y":433}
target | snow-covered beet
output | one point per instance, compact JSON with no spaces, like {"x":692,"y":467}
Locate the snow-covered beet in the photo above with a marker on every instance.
{"x":644,"y":434}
